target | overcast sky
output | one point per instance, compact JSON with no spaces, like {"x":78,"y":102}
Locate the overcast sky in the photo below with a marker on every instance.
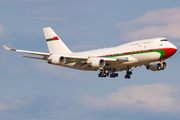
{"x":34,"y":90}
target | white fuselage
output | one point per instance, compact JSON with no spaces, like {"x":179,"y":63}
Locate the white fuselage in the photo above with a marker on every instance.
{"x":139,"y":53}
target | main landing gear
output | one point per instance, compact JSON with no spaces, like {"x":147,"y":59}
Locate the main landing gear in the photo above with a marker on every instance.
{"x":112,"y":74}
{"x":128,"y":74}
{"x":105,"y":73}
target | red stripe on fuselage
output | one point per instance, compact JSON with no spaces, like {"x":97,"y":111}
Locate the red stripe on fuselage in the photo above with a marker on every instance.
{"x":168,"y":52}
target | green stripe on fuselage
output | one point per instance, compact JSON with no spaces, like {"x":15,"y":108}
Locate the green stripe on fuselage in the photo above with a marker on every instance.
{"x":133,"y":53}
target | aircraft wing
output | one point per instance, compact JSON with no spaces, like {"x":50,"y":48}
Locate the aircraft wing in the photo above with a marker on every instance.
{"x":24,"y":51}
{"x":79,"y":58}
{"x":46,"y":55}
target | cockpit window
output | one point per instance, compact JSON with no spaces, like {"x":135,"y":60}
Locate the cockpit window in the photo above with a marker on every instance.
{"x":164,"y":40}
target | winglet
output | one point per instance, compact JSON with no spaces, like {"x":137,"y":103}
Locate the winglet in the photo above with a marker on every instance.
{"x":7,"y":48}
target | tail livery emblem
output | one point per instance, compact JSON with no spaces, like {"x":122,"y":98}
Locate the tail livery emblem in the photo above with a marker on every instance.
{"x":52,"y":39}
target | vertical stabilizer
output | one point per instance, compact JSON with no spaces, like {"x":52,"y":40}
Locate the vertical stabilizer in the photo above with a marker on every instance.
{"x":55,"y":44}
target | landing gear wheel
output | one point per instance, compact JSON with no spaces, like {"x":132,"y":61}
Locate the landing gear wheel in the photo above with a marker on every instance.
{"x":99,"y":75}
{"x":125,"y":76}
{"x":116,"y":74}
{"x":107,"y":74}
{"x":111,"y":75}
{"x":130,"y":72}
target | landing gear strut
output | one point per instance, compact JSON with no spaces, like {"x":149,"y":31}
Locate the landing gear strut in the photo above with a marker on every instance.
{"x":128,"y":74}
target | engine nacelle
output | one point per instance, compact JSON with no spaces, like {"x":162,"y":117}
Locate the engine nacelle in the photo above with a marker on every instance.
{"x":57,"y":60}
{"x":98,"y":63}
{"x":157,"y":66}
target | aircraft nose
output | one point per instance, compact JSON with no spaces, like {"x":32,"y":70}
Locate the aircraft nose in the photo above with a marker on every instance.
{"x":169,"y":52}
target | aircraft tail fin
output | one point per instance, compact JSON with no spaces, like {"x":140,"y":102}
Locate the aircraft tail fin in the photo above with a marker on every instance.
{"x":55,"y":44}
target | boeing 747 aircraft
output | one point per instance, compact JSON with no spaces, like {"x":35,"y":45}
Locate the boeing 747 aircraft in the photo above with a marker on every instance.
{"x":150,"y":52}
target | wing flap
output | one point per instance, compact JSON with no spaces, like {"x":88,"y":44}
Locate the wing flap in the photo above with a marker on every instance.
{"x":43,"y":58}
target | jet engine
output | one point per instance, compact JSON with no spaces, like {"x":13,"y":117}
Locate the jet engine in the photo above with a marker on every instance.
{"x":157,"y":66}
{"x":98,"y":63}
{"x":57,"y":60}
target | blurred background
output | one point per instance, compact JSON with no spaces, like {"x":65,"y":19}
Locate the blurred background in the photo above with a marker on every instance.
{"x":34,"y":90}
